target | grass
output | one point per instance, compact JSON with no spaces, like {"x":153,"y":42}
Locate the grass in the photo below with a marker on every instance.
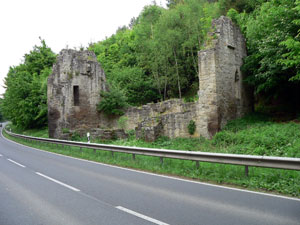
{"x":254,"y":135}
{"x":43,"y":132}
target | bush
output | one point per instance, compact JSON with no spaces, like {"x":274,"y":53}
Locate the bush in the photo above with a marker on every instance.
{"x":75,"y":137}
{"x":122,"y":122}
{"x":65,"y":130}
{"x":112,"y":102}
{"x":191,"y":127}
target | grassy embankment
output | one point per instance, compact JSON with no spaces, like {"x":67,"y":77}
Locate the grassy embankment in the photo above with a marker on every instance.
{"x":252,"y":135}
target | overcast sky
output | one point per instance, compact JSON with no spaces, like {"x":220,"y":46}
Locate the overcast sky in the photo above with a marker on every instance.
{"x":60,"y":23}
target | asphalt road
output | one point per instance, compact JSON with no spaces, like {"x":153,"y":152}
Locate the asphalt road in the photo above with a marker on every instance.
{"x":41,"y":188}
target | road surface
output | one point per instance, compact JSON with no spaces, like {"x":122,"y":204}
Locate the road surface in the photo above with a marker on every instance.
{"x":41,"y":188}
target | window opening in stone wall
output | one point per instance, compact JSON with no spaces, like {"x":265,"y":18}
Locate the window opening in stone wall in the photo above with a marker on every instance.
{"x":236,"y":76}
{"x":76,"y":95}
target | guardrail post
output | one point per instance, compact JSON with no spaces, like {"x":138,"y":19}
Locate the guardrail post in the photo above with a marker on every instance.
{"x":197,"y":164}
{"x":133,"y":156}
{"x":246,"y":171}
{"x":161,"y":160}
{"x":94,"y":151}
{"x":112,"y":154}
{"x":80,"y":150}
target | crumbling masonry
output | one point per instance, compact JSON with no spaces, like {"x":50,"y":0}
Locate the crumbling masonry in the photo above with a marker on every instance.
{"x":73,"y":92}
{"x":77,"y":79}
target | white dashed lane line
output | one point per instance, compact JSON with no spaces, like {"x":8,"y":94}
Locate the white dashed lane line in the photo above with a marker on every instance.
{"x":58,"y":182}
{"x":141,"y":216}
{"x":18,"y":164}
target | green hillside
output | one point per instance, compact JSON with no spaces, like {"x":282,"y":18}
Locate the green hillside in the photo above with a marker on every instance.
{"x":154,"y":58}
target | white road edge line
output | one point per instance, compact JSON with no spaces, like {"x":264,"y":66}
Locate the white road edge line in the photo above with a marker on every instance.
{"x":58,"y":182}
{"x":141,"y":216}
{"x":0,"y":155}
{"x":159,"y":175}
{"x":18,"y":164}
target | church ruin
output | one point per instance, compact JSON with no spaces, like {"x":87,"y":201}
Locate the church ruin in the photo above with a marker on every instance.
{"x":77,"y":79}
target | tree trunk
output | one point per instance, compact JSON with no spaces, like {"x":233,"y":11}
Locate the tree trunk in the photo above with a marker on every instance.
{"x":177,"y":72}
{"x":156,"y":77}
{"x":165,"y":90}
{"x":166,"y":83}
{"x":194,"y":61}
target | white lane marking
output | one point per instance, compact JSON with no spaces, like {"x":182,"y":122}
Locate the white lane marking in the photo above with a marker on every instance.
{"x":141,"y":216}
{"x":58,"y":182}
{"x":0,"y":155}
{"x":16,"y":163}
{"x":159,"y":175}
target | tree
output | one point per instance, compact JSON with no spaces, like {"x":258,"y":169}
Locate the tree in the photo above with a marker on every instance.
{"x":180,"y":34}
{"x":156,"y":58}
{"x":291,"y":59}
{"x":1,"y":114}
{"x":25,"y":99}
{"x":173,"y":3}
{"x":240,"y":5}
{"x":265,"y":29}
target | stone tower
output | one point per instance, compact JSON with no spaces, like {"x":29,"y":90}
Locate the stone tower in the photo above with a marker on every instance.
{"x":222,"y":93}
{"x":74,"y":92}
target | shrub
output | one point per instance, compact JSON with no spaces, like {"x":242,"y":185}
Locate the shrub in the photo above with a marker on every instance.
{"x":65,"y":130}
{"x":122,"y":122}
{"x":112,"y":102}
{"x":191,"y":127}
{"x":75,"y":136}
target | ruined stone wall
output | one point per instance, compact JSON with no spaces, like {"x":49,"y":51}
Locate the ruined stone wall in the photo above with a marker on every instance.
{"x":172,"y":117}
{"x":73,"y":92}
{"x":77,"y":79}
{"x":222,"y":93}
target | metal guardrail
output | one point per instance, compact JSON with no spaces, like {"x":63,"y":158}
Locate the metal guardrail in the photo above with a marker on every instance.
{"x":234,"y":159}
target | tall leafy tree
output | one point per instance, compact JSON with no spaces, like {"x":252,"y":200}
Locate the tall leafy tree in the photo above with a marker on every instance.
{"x":173,"y":3}
{"x":291,"y":59}
{"x":25,"y":99}
{"x":118,"y":57}
{"x":180,"y":34}
{"x":265,"y":29}
{"x":145,"y":41}
{"x":157,"y":57}
{"x":239,"y":5}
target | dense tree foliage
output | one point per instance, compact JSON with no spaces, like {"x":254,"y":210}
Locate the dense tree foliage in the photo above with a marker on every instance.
{"x":25,"y":99}
{"x":239,"y":5}
{"x":157,"y":57}
{"x":272,"y":33}
{"x":291,"y":59}
{"x":1,"y":114}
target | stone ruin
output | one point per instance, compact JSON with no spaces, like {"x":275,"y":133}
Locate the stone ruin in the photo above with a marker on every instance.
{"x":77,"y":79}
{"x":222,"y":93}
{"x":73,"y":93}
